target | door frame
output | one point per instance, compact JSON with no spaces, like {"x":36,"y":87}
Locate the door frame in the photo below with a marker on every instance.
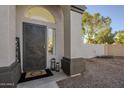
{"x":23,"y":41}
{"x":20,"y":20}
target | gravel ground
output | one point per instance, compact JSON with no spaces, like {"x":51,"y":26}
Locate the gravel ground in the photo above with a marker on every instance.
{"x":100,"y":73}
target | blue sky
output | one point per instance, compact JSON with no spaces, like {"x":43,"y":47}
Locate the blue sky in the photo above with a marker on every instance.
{"x":115,"y":12}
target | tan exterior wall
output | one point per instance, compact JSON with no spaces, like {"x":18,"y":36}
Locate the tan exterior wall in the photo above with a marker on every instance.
{"x":67,"y":35}
{"x":76,"y":39}
{"x":7,"y":35}
{"x":114,"y":50}
{"x":92,"y":50}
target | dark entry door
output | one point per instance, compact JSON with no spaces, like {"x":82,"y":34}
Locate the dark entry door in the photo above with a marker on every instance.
{"x":34,"y":51}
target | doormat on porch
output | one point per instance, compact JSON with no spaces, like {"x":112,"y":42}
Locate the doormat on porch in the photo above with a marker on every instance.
{"x":28,"y":76}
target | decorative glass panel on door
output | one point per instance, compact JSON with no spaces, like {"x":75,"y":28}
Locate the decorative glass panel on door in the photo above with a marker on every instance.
{"x":51,"y":41}
{"x":40,"y":13}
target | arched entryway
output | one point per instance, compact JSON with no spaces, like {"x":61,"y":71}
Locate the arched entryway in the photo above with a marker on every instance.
{"x":47,"y":18}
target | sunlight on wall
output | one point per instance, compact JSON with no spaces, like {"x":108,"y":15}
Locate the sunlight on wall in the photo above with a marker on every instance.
{"x":39,"y":13}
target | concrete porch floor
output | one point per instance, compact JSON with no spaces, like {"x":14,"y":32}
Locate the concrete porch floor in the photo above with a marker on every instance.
{"x":48,"y":82}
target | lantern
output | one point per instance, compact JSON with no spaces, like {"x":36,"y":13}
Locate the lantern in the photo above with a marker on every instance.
{"x":57,"y":67}
{"x":53,"y":64}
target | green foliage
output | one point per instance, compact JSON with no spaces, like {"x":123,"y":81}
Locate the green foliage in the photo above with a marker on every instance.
{"x":96,"y":29}
{"x":119,"y":37}
{"x":104,"y":37}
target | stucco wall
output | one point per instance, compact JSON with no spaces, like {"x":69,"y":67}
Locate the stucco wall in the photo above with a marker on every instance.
{"x":12,"y":33}
{"x":76,"y":41}
{"x":92,"y":50}
{"x":7,"y":35}
{"x":66,"y":25}
{"x":114,"y":50}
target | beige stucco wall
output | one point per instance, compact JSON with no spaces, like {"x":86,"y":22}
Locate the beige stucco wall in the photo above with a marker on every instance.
{"x":114,"y":50}
{"x":92,"y":50}
{"x":67,"y":35}
{"x":12,"y":33}
{"x":7,"y":35}
{"x":76,"y":39}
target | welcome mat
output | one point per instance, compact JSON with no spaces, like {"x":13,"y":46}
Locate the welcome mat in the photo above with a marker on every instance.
{"x":32,"y":75}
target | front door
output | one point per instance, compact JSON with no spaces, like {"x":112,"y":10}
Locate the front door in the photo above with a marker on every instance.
{"x":34,"y":51}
